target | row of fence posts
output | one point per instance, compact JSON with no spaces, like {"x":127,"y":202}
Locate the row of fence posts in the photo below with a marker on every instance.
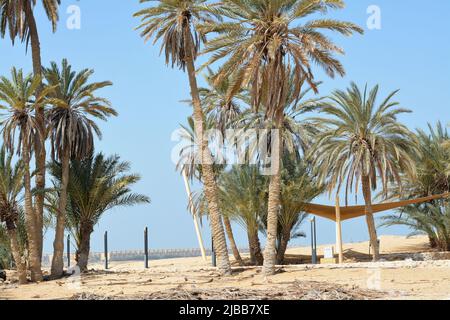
{"x":146,"y":256}
{"x":213,"y":251}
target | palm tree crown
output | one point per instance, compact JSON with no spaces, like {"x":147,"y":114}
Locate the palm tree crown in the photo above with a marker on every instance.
{"x":263,"y":40}
{"x":175,"y":22}
{"x":363,"y":140}
{"x":96,"y":185}
{"x":19,"y":100}
{"x":13,"y":17}
{"x":73,"y":101}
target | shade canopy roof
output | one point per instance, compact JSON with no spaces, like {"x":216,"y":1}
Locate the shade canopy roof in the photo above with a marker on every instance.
{"x":350,"y":212}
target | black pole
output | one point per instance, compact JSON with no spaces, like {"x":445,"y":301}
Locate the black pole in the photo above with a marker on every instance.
{"x":313,"y":241}
{"x":214,"y":260}
{"x":106,"y":249}
{"x":68,"y":250}
{"x":146,"y":247}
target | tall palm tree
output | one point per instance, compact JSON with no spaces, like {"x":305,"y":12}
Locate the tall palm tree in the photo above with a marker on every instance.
{"x":11,"y":186}
{"x":175,"y":22}
{"x":263,"y":42}
{"x":73,"y":105}
{"x":96,"y":185}
{"x":18,"y":20}
{"x":363,"y":143}
{"x":19,"y":99}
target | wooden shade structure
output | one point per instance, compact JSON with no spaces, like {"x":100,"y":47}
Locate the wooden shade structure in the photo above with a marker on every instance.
{"x":350,"y":212}
{"x":339,"y":214}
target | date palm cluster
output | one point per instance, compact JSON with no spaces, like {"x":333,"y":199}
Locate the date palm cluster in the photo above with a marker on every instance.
{"x":261,"y":60}
{"x":58,"y":107}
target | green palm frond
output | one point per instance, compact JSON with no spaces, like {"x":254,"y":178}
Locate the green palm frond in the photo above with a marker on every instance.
{"x":73,"y":105}
{"x":96,"y":185}
{"x":432,"y":220}
{"x":174,"y":23}
{"x":18,"y":100}
{"x":15,"y":21}
{"x":263,"y":41}
{"x":361,"y":139}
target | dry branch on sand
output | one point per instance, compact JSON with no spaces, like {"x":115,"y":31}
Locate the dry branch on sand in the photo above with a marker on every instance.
{"x":305,"y":290}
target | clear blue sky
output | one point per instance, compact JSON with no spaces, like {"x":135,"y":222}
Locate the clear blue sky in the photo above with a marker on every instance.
{"x":411,"y":52}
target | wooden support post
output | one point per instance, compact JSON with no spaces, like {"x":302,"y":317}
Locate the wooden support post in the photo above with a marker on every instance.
{"x":194,"y":216}
{"x":339,"y":231}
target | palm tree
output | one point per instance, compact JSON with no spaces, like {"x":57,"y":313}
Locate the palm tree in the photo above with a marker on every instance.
{"x":296,"y":134}
{"x":187,"y":163}
{"x":11,"y":186}
{"x":96,"y":185}
{"x":17,"y":19}
{"x":263,"y":42}
{"x":431,"y":162}
{"x":243,"y":199}
{"x":72,"y":130}
{"x":361,"y":144}
{"x":299,"y":185}
{"x":176,"y":22}
{"x":20,"y":101}
{"x":432,"y":219}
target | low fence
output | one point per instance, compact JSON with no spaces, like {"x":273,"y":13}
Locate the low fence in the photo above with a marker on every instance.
{"x":138,"y":255}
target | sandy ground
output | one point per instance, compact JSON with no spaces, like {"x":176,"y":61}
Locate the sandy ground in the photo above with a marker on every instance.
{"x":192,"y":278}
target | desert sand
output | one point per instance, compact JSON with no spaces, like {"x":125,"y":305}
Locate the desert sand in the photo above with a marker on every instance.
{"x":395,"y":277}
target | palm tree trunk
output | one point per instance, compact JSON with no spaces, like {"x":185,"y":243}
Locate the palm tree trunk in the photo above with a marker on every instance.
{"x":256,"y":257}
{"x":274,"y":202}
{"x":210,"y":186}
{"x":84,"y":247}
{"x":58,"y":245}
{"x":284,"y":240}
{"x":15,"y":248}
{"x":234,"y":248}
{"x":433,"y":242}
{"x":369,"y":217}
{"x":30,"y":221}
{"x":39,"y":146}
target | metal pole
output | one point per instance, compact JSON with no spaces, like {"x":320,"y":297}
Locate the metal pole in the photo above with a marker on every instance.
{"x":106,"y":249}
{"x":313,"y":241}
{"x":146,"y":246}
{"x":214,"y":260}
{"x":339,"y":231}
{"x":68,"y":250}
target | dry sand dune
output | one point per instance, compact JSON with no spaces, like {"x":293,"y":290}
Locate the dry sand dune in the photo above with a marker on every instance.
{"x":191,"y":278}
